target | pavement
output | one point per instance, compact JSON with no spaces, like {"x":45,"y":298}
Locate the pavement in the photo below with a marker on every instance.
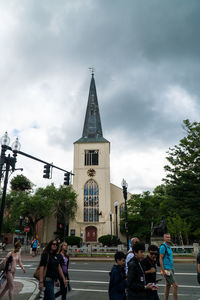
{"x":26,"y":288}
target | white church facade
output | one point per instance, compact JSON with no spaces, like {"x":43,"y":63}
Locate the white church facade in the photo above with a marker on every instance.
{"x":97,"y":197}
{"x":100,"y":203}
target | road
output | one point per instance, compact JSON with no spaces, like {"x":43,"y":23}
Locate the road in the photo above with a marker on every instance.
{"x":89,"y":280}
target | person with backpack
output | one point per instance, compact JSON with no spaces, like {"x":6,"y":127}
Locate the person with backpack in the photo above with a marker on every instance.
{"x":149,"y":267}
{"x":11,"y":260}
{"x":118,"y":281}
{"x":130,"y":254}
{"x":137,"y":286}
{"x":167,"y":266}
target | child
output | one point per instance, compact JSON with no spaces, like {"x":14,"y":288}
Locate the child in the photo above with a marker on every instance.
{"x":117,"y":282}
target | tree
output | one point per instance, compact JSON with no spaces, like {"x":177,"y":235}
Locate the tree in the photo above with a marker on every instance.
{"x":21,"y":183}
{"x":143,"y":212}
{"x":65,"y":205}
{"x":179,"y":229}
{"x":183,"y":178}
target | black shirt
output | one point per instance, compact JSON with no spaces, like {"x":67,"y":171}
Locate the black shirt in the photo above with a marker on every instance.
{"x":52,"y":267}
{"x":147,"y":264}
{"x":198,"y":258}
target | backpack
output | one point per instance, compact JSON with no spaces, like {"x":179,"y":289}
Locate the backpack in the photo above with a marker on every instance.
{"x":158,"y":257}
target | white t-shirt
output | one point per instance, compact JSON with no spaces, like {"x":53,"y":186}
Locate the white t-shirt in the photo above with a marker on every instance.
{"x":128,"y":258}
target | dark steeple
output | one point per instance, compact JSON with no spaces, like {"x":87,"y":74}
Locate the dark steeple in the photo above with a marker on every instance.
{"x":92,"y":130}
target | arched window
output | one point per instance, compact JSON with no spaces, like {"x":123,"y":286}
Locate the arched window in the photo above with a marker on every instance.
{"x":91,"y":201}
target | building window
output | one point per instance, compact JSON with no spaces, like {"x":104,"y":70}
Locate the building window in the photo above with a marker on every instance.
{"x":91,"y":157}
{"x":91,"y":201}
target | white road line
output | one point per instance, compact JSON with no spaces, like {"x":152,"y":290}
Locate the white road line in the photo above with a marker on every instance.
{"x":106,"y":291}
{"x":106,"y":282}
{"x":95,"y":271}
{"x":105,"y":271}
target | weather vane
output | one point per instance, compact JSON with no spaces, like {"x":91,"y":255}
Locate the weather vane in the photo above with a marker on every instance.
{"x":91,"y":70}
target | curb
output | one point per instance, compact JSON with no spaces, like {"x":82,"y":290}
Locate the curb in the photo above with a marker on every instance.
{"x":36,"y":291}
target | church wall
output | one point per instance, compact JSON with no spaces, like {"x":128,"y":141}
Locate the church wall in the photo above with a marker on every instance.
{"x":102,"y":178}
{"x":117,"y":195}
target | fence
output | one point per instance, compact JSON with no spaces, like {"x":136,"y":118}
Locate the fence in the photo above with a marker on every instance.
{"x":97,"y":250}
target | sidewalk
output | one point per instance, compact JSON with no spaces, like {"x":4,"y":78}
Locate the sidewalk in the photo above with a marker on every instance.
{"x":24,"y":289}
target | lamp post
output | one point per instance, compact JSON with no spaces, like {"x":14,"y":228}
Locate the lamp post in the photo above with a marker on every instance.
{"x":125,"y":186}
{"x":116,"y":210}
{"x":9,"y":162}
{"x":111,"y":223}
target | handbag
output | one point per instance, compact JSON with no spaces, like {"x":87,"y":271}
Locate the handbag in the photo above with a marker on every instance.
{"x":37,"y":271}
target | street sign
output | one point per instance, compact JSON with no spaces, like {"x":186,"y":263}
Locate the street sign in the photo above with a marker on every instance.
{"x":26,"y":229}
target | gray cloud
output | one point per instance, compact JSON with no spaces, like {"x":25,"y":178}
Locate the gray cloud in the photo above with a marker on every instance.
{"x":146,"y":56}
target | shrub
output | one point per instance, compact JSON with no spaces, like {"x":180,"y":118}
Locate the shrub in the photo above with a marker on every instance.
{"x":109,"y":240}
{"x":74,"y":240}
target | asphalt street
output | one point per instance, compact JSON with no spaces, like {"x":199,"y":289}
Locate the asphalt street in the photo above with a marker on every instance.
{"x":89,"y":280}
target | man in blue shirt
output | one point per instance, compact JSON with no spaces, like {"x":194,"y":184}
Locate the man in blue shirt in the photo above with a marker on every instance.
{"x":167,"y":266}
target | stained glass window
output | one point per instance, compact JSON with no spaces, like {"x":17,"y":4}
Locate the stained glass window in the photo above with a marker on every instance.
{"x":91,"y":201}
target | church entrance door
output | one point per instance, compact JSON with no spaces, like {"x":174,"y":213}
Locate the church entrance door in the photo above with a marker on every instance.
{"x":91,"y":234}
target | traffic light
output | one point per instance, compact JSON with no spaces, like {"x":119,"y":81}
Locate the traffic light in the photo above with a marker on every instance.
{"x":66,"y":178}
{"x":46,"y":172}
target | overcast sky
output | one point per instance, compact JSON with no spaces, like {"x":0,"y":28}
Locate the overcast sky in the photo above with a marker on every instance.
{"x":146,"y":55}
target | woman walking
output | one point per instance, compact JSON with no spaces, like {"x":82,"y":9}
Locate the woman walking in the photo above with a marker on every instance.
{"x":64,"y":262}
{"x":50,"y":269}
{"x":10,"y":262}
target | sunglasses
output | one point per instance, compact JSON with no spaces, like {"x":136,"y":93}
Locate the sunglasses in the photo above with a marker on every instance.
{"x":54,"y":244}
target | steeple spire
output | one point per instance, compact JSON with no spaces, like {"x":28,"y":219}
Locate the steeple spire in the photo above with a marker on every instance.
{"x":92,"y":130}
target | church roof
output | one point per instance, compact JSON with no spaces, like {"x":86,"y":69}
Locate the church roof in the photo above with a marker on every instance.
{"x":92,"y":130}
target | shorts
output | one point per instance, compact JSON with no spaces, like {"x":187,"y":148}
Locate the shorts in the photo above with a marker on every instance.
{"x":34,"y":249}
{"x":170,"y":279}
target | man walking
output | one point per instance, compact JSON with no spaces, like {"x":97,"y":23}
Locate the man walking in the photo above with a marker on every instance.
{"x":149,"y":267}
{"x":137,"y":287}
{"x":167,"y":266}
{"x":130,"y":254}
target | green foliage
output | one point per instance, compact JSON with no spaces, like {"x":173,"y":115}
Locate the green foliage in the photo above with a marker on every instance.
{"x":21,"y":183}
{"x":183,"y":178}
{"x":109,"y":240}
{"x":74,"y":240}
{"x":65,"y":204}
{"x":143,"y":210}
{"x":43,"y":203}
{"x":179,"y":229}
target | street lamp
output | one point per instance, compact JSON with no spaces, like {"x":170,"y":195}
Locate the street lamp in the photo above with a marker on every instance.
{"x":111,"y":223}
{"x":125,"y":186}
{"x":116,"y":210}
{"x":9,"y":161}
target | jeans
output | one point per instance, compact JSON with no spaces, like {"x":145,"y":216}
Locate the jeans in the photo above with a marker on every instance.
{"x":49,"y":289}
{"x":63,"y":290}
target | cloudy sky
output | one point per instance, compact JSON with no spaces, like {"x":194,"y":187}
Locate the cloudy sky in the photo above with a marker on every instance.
{"x":146,"y":55}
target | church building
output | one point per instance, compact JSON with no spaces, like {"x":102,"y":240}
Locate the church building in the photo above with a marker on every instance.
{"x":100,"y":203}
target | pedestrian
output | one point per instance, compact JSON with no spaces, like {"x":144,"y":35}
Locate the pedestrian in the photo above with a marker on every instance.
{"x":34,"y":246}
{"x":11,"y":260}
{"x":167,"y":266}
{"x":118,"y":281}
{"x":50,"y":269}
{"x":64,"y":263}
{"x":130,"y":253}
{"x":149,"y":267}
{"x":137,"y":287}
{"x":198,"y":267}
